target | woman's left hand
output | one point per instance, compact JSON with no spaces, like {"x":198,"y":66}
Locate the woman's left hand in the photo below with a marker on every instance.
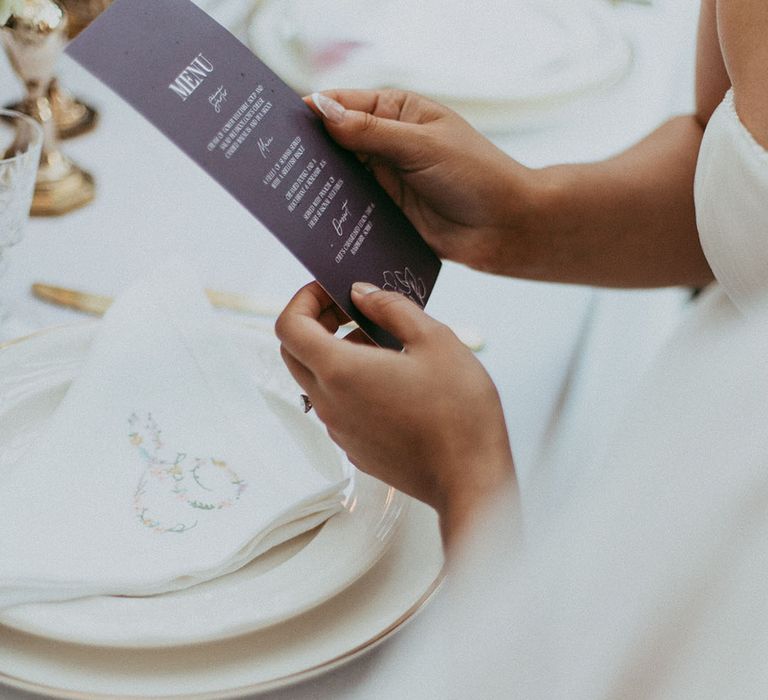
{"x":427,"y":420}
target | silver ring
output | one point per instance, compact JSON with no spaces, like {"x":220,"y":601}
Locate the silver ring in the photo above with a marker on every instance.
{"x":306,"y":403}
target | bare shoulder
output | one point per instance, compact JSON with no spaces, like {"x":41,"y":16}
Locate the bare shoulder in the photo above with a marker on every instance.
{"x":743,"y":28}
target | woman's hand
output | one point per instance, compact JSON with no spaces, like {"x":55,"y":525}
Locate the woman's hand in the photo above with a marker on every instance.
{"x":427,"y":421}
{"x":469,"y":200}
{"x":628,"y":221}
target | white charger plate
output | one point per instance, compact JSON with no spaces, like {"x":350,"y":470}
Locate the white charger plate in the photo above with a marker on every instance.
{"x":502,"y":65}
{"x":289,"y":580}
{"x":328,"y":636}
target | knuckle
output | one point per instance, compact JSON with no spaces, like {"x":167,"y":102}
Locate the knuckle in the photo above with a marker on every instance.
{"x":370,"y":123}
{"x":392,"y":101}
{"x":422,"y":109}
{"x":281,"y":325}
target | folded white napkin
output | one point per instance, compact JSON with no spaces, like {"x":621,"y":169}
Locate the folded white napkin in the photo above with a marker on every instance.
{"x":163,"y":466}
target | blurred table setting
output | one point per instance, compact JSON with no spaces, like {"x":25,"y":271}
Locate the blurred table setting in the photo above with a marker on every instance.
{"x":297,"y":594}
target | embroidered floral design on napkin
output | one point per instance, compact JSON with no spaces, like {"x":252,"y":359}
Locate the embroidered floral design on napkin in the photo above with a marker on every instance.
{"x":169,"y":488}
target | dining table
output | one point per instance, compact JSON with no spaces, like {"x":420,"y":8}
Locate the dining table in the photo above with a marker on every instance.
{"x":564,"y":357}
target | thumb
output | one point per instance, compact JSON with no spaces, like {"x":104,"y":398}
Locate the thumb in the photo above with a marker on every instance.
{"x":394,"y":312}
{"x":366,"y":133}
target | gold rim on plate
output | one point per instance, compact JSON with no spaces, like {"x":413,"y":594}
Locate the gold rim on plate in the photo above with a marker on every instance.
{"x":44,"y":331}
{"x":233,"y":693}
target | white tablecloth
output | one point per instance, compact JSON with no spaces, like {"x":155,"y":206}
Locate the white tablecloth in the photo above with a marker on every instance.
{"x":563,"y":357}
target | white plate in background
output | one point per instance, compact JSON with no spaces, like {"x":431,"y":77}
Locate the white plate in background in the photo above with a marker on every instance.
{"x":502,"y":63}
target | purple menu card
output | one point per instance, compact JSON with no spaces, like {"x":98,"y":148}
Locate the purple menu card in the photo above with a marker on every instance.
{"x":249,"y":131}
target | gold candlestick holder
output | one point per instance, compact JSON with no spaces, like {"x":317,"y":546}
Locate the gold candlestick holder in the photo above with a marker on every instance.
{"x":34,"y":37}
{"x":74,"y":117}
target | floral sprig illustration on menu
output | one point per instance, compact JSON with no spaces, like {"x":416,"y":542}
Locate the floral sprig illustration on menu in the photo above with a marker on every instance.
{"x":407,"y":284}
{"x":223,"y":107}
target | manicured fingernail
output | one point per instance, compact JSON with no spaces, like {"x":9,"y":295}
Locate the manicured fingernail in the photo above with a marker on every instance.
{"x":333,"y":111}
{"x":363,"y":288}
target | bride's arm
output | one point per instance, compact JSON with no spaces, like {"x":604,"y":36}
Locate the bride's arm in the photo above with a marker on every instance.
{"x":743,"y":26}
{"x":712,"y":81}
{"x":630,"y":221}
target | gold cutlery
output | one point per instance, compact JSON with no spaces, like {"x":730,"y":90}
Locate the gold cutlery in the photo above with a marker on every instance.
{"x":98,"y":304}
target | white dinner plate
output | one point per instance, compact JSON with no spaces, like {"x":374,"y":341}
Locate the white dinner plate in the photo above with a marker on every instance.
{"x":287,"y":581}
{"x":502,"y":63}
{"x":332,"y":634}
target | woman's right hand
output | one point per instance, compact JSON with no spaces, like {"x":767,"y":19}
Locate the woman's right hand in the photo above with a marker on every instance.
{"x":426,"y":420}
{"x":469,"y":200}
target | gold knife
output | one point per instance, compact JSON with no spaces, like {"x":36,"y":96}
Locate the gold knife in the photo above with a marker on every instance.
{"x":97,"y":305}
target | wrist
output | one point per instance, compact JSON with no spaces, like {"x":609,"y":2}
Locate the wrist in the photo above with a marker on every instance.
{"x":462,"y":502}
{"x":531,"y":222}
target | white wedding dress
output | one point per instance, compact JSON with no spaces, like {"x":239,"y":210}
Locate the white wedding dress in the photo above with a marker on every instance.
{"x":653,"y":580}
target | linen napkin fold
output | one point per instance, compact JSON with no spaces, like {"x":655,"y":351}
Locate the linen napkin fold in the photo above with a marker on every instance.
{"x":163,"y":466}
